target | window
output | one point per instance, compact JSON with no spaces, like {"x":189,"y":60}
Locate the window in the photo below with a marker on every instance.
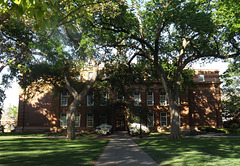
{"x":90,"y":75}
{"x":63,"y":120}
{"x":103,"y":118}
{"x":103,"y":99}
{"x":179,"y":101}
{"x":137,"y":99}
{"x":201,"y":78}
{"x":163,"y":119}
{"x":150,"y":99}
{"x":89,"y":120}
{"x":90,"y":99}
{"x":120,"y":96}
{"x":163,"y":99}
{"x":64,"y":99}
{"x":77,"y":120}
{"x":150,"y":119}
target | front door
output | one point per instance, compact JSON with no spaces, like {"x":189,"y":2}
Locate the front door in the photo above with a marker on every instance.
{"x":120,"y":124}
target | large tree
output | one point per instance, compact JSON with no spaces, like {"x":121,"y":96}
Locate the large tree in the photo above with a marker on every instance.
{"x":69,"y":48}
{"x":231,"y":89}
{"x":176,"y":33}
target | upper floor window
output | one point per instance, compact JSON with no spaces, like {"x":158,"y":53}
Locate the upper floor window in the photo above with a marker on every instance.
{"x":201,"y":78}
{"x":103,"y":99}
{"x":90,"y":75}
{"x":64,"y":99}
{"x":90,"y":99}
{"x":120,"y":96}
{"x":137,"y":99}
{"x":150,"y":99}
{"x":163,"y":99}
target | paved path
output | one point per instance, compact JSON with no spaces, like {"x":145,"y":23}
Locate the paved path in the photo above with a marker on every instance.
{"x":122,"y":151}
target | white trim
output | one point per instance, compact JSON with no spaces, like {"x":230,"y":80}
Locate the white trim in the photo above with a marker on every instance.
{"x":201,"y":78}
{"x":90,"y":120}
{"x":64,"y":99}
{"x":90,"y":99}
{"x":163,"y":119}
{"x":137,"y":99}
{"x":163,"y":99}
{"x":150,"y":99}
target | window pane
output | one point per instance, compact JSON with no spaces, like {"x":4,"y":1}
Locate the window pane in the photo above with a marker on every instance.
{"x":150,"y":120}
{"x":103,"y":99}
{"x":137,"y":99}
{"x":201,"y":77}
{"x":150,"y":99}
{"x":163,"y":119}
{"x":120,"y":96}
{"x":77,"y":120}
{"x":63,"y":120}
{"x":90,"y":100}
{"x":163,"y":99}
{"x":89,"y":120}
{"x":64,"y":99}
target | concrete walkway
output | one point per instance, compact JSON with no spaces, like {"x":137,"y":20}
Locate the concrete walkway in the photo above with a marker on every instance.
{"x":122,"y":151}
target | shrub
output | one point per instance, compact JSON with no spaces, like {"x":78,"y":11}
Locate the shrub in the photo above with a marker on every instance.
{"x":104,"y":129}
{"x":134,"y":129}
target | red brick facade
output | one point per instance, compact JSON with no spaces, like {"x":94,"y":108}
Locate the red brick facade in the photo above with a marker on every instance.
{"x":200,"y":106}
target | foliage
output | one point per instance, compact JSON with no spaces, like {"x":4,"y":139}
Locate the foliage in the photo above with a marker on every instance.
{"x":50,"y":151}
{"x":192,"y":151}
{"x":14,"y":111}
{"x":167,"y":34}
{"x":135,"y":128}
{"x":231,"y":89}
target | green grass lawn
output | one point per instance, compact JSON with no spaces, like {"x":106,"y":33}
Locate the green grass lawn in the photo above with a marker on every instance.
{"x":16,"y":151}
{"x":193,"y":151}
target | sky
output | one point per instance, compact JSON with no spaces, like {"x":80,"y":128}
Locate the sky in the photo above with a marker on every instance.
{"x":13,"y":93}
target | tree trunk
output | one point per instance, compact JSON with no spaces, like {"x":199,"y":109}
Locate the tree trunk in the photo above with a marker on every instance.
{"x":71,"y":120}
{"x":173,"y":106}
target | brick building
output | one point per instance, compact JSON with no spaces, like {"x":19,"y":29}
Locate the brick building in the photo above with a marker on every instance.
{"x":199,"y":106}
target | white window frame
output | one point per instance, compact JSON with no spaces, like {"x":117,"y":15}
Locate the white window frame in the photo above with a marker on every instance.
{"x":151,"y":118}
{"x":201,"y":78}
{"x":137,"y":99}
{"x":64,"y":99}
{"x":90,"y":120}
{"x":90,"y":75}
{"x":163,"y":99}
{"x":77,"y":120}
{"x":90,"y":99}
{"x":150,"y":99}
{"x":179,"y":101}
{"x":163,"y":123}
{"x":103,"y":99}
{"x":63,"y":120}
{"x":120,"y":96}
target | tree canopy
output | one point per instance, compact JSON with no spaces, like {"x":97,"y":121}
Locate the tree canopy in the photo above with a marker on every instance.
{"x":169,"y":34}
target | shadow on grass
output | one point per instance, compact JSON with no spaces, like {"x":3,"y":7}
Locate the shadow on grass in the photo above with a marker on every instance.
{"x":192,"y":151}
{"x":15,"y":151}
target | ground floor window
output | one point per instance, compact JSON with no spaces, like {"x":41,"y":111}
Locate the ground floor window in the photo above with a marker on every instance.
{"x":90,"y":120}
{"x":63,"y":120}
{"x":77,"y":120}
{"x":150,"y":119}
{"x":163,"y":119}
